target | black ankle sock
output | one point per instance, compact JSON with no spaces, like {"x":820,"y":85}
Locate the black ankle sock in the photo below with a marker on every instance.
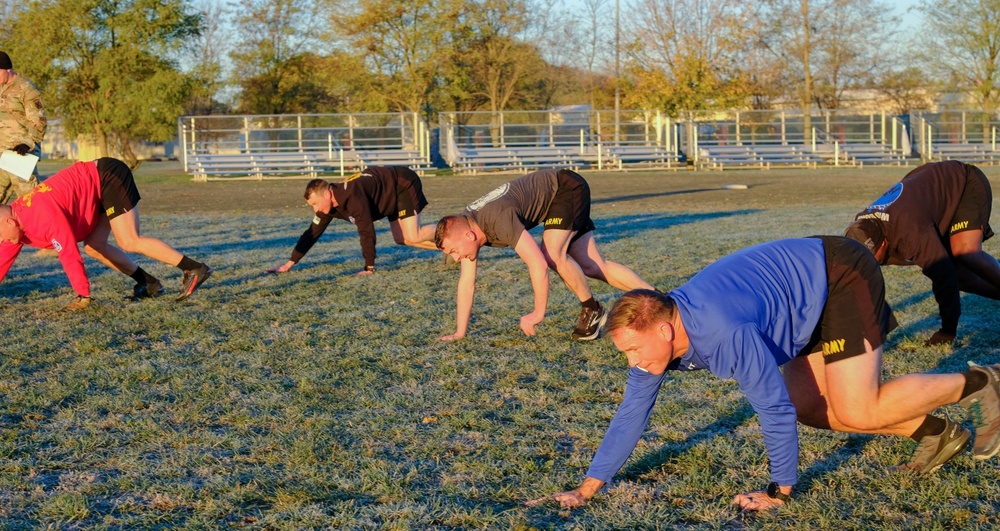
{"x":931,"y":426}
{"x":140,"y":276}
{"x":188,"y":264}
{"x":974,"y":381}
{"x":592,"y":304}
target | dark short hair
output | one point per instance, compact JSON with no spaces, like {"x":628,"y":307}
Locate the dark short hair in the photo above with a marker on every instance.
{"x":446,"y":226}
{"x":867,"y":231}
{"x":640,"y":309}
{"x":316,"y":186}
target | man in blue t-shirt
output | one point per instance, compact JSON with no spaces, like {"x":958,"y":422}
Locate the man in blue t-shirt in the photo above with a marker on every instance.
{"x":816,"y":306}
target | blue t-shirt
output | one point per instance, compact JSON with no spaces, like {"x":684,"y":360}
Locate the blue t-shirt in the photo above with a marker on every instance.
{"x":745,"y":315}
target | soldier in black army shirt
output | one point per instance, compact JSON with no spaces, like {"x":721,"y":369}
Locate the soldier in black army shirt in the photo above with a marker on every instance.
{"x":937,"y":218}
{"x":392,"y":192}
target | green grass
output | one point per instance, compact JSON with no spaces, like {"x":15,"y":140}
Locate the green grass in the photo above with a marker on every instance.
{"x":318,"y":399}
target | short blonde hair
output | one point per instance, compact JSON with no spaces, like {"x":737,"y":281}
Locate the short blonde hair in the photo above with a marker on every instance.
{"x":640,"y":309}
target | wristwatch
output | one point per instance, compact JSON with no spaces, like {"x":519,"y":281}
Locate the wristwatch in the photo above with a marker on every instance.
{"x":775,"y":493}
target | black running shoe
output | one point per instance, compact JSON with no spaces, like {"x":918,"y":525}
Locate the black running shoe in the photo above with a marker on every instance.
{"x":936,"y":450}
{"x":192,"y":279}
{"x":591,"y":322}
{"x":145,"y":291}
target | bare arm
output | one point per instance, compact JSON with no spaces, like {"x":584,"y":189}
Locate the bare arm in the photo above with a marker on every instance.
{"x":466,"y":292}
{"x":538,"y":269}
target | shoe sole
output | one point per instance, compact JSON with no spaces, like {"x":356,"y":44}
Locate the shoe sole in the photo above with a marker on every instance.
{"x":955,"y":447}
{"x":133,"y":298}
{"x":990,"y":452}
{"x":194,"y":285}
{"x":596,"y":334}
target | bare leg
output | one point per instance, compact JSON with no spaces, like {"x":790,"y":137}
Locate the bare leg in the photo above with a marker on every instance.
{"x":847,"y":395}
{"x":408,"y":231}
{"x":555,"y":247}
{"x":584,"y":251}
{"x":967,"y":248}
{"x":96,"y":246}
{"x":126,"y":230}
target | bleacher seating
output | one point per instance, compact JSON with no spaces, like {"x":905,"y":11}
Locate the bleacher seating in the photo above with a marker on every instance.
{"x":872,"y":154}
{"x":981,"y":153}
{"x":257,"y":165}
{"x":516,"y":158}
{"x":759,"y":156}
{"x":261,"y":165}
{"x":636,"y":156}
{"x":385,"y":157}
{"x":525,"y":158}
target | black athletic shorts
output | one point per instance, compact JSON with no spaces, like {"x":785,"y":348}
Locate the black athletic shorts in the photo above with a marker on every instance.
{"x":855,"y":308}
{"x":410,"y":198}
{"x":118,"y":192}
{"x":570,"y":208}
{"x":975,"y":206}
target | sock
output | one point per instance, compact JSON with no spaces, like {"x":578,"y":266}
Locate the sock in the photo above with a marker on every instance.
{"x":142,"y":277}
{"x":188,"y":264}
{"x":592,"y":304}
{"x":974,"y":381}
{"x":931,"y":426}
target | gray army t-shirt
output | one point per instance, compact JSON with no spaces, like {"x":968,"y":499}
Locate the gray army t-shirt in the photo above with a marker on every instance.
{"x":514,"y":207}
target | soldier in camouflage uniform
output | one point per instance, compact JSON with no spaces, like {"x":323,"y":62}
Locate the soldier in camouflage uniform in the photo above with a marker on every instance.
{"x":22,"y":126}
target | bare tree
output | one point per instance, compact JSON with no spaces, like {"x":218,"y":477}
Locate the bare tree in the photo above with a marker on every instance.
{"x":962,"y":47}
{"x":271,"y":55}
{"x":205,"y":55}
{"x":826,"y":45}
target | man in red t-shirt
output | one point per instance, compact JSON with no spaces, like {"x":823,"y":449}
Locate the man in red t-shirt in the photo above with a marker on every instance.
{"x":87,"y":202}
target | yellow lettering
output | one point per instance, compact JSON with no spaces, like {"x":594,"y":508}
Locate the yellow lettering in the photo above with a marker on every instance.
{"x":553,"y":221}
{"x":110,"y":211}
{"x":960,"y":226}
{"x":402,"y":213}
{"x":40,"y":189}
{"x":833,"y":347}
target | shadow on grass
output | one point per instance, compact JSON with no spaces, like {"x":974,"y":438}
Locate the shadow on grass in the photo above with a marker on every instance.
{"x":853,"y":446}
{"x":636,"y":197}
{"x":618,"y":227}
{"x":723,"y":427}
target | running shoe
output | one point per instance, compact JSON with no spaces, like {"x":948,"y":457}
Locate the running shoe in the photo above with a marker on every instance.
{"x":192,"y":279}
{"x":591,"y":322}
{"x":936,"y":450}
{"x":984,"y":408}
{"x":145,"y":291}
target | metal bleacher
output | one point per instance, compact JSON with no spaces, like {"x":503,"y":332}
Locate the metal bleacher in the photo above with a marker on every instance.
{"x":759,"y":156}
{"x":719,"y":140}
{"x":573,"y":137}
{"x":968,"y":136}
{"x":300,"y":146}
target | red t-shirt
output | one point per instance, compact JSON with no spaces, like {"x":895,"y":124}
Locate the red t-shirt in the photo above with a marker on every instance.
{"x":60,"y":212}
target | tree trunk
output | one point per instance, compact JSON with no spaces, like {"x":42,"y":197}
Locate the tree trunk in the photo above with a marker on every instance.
{"x":102,"y":140}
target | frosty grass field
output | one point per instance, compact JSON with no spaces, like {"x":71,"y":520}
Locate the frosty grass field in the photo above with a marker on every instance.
{"x":318,"y":399}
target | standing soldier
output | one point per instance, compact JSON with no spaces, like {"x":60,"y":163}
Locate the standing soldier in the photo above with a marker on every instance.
{"x":22,"y":126}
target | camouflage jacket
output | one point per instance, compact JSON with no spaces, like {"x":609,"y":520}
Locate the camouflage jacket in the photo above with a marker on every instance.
{"x":22,"y":118}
